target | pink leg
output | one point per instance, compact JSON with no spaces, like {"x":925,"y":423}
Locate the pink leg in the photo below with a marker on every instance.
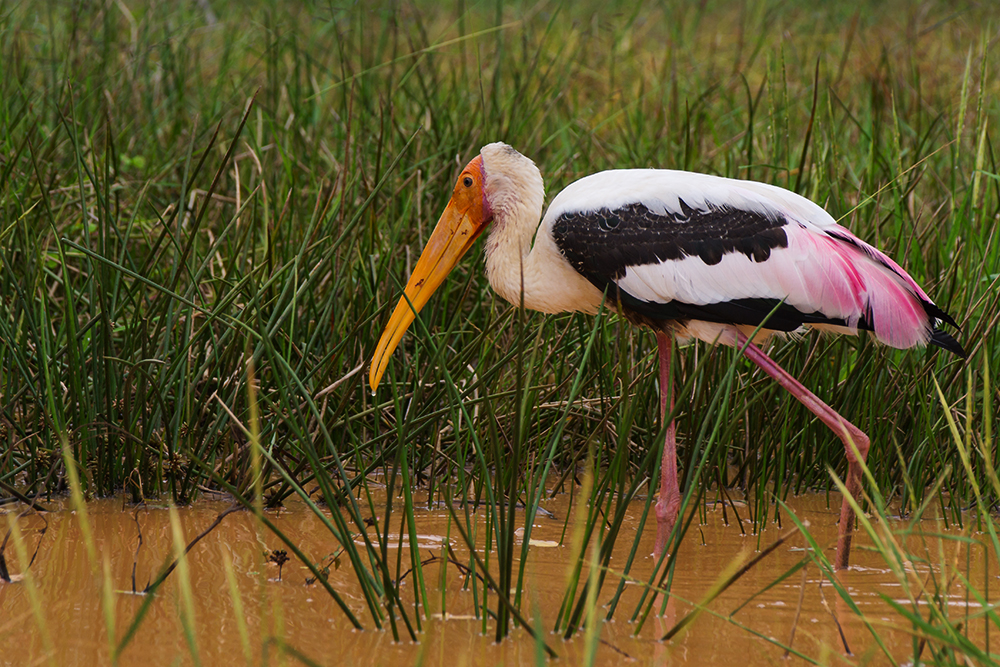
{"x":846,"y":431}
{"x":669,"y":502}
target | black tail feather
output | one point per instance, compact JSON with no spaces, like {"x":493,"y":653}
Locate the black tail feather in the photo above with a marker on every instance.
{"x":942,"y":339}
{"x":937,"y":314}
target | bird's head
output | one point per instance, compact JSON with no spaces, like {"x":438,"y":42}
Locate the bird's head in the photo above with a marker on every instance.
{"x":498,"y":181}
{"x":464,"y":218}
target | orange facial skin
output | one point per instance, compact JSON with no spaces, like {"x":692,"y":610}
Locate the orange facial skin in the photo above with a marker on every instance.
{"x":463,"y":220}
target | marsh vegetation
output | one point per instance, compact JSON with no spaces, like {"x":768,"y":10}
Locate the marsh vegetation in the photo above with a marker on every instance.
{"x":207,"y":209}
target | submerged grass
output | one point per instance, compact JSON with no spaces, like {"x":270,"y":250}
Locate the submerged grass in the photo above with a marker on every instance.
{"x":206,"y":213}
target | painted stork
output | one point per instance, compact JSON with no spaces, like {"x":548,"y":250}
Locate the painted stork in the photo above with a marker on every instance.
{"x":688,"y":255}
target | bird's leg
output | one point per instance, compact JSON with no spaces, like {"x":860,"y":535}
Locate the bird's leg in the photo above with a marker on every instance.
{"x":850,"y":434}
{"x":669,"y":502}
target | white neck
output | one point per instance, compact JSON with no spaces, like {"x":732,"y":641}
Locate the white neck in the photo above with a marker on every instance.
{"x":540,"y":273}
{"x":510,"y":261}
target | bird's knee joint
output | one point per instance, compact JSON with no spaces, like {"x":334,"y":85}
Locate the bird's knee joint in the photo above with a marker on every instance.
{"x":668,"y":510}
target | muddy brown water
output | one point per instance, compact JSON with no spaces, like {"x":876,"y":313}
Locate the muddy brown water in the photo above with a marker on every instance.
{"x":73,"y":625}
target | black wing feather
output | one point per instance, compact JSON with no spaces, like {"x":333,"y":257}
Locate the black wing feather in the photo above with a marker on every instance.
{"x":602,"y":244}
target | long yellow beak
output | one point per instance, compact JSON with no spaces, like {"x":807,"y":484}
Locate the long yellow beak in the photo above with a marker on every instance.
{"x":463,"y":220}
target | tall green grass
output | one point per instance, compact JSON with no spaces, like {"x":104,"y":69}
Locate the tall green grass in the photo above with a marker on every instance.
{"x":185,"y":196}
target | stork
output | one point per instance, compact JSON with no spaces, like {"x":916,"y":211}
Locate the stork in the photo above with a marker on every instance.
{"x":689,"y":255}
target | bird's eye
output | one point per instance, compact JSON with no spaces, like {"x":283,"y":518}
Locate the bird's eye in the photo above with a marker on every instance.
{"x":467,"y":181}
